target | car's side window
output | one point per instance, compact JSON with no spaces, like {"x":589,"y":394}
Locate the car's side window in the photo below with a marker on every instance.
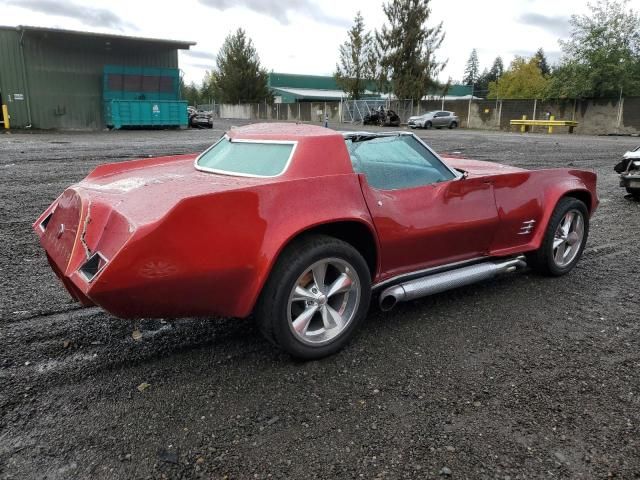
{"x":397,"y":162}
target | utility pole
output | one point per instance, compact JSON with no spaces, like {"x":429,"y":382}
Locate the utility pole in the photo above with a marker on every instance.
{"x":469,"y":112}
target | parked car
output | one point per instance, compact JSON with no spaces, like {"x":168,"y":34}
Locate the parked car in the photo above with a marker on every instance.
{"x":437,"y":119}
{"x":629,"y":170}
{"x":382,"y":118}
{"x":201,"y":118}
{"x":299,"y":225}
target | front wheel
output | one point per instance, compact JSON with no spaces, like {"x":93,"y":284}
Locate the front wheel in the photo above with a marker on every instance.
{"x":428,"y":125}
{"x":564,"y":239}
{"x":317,"y":294}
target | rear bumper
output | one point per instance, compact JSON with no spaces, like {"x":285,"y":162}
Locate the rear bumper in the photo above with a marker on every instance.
{"x":630,"y":181}
{"x":76,"y":293}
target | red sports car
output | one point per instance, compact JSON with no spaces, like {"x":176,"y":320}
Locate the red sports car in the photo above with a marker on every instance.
{"x":297,"y":225}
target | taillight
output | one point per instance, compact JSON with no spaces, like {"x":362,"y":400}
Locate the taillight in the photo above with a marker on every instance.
{"x":45,"y":220}
{"x":92,"y":267}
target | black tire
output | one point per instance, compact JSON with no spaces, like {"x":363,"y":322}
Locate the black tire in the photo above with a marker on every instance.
{"x":453,"y":125}
{"x":542,"y":260}
{"x":272,"y":311}
{"x":633,"y":191}
{"x":428,"y":125}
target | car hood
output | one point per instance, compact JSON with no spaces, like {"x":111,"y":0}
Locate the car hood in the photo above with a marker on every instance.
{"x":479,"y":168}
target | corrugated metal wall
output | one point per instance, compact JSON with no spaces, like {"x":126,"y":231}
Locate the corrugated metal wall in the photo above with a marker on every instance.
{"x":11,"y":77}
{"x":64,"y":75}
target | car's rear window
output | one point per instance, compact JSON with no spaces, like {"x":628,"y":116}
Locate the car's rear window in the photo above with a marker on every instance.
{"x":247,"y":158}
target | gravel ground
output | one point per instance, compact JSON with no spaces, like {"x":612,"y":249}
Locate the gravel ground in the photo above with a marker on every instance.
{"x":520,"y":377}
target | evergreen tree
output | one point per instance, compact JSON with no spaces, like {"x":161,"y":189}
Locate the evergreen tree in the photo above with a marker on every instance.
{"x":379,"y":70}
{"x":408,"y":47}
{"x":354,"y":69}
{"x":190,"y":93}
{"x":497,"y":69}
{"x":542,"y":62}
{"x":481,"y":85}
{"x":472,"y":69}
{"x":239,"y":77}
{"x":488,"y":76}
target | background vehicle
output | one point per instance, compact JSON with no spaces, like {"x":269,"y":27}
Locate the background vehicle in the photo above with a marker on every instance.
{"x":298,"y":225}
{"x":382,"y":118}
{"x":629,"y":170}
{"x":437,"y":119}
{"x":200,"y":118}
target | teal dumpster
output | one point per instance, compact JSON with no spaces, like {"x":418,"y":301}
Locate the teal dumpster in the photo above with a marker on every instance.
{"x":143,"y":97}
{"x":146,"y":113}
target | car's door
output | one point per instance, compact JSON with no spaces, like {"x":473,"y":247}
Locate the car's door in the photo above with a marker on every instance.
{"x":442,"y":119}
{"x":424,"y":213}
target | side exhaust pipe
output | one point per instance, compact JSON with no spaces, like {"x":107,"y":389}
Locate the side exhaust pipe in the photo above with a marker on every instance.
{"x":439,"y":282}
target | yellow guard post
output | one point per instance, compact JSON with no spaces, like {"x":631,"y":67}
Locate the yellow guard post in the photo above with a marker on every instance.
{"x":5,"y":116}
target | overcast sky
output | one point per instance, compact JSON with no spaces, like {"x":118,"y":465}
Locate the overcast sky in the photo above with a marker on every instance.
{"x":303,"y":36}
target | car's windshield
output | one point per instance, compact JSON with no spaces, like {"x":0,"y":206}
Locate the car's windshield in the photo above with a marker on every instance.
{"x":247,"y":158}
{"x":427,"y":113}
{"x":396,"y":162}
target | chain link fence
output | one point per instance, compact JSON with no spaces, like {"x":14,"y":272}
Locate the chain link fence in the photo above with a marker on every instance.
{"x":594,"y":116}
{"x":354,"y":111}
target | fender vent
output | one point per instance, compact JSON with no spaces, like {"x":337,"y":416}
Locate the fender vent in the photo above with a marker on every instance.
{"x":527,"y":227}
{"x":93,"y":266}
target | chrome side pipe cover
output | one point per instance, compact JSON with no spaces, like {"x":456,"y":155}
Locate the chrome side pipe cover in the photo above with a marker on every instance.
{"x":440,"y":282}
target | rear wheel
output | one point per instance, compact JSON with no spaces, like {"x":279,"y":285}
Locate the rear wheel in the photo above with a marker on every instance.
{"x":318,"y":293}
{"x":564,"y":240}
{"x":453,"y":125}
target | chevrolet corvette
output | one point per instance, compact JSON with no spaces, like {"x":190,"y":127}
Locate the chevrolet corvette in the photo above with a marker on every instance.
{"x":299,"y":226}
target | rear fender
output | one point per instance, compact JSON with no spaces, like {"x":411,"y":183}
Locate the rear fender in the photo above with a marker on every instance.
{"x":212,"y":254}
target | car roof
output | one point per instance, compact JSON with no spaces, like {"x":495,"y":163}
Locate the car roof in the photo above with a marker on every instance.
{"x":279,"y":131}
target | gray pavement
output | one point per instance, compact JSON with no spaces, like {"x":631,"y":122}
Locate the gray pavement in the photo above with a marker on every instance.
{"x":520,"y":377}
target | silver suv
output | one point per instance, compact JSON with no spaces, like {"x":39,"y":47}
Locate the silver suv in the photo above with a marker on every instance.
{"x":437,"y":118}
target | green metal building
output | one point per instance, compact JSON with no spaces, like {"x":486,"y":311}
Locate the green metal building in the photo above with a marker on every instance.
{"x":293,"y":88}
{"x":52,"y":79}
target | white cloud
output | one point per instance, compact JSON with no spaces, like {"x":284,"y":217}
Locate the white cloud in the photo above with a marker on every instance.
{"x":303,"y":36}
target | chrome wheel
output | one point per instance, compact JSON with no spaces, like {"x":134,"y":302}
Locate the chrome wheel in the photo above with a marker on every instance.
{"x":324,"y":301}
{"x":568,"y":238}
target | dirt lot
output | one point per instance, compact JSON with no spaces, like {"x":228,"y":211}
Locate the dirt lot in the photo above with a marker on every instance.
{"x":521,"y":377}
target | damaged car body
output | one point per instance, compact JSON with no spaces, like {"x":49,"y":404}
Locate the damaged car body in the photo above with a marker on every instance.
{"x":299,"y":226}
{"x":629,"y":170}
